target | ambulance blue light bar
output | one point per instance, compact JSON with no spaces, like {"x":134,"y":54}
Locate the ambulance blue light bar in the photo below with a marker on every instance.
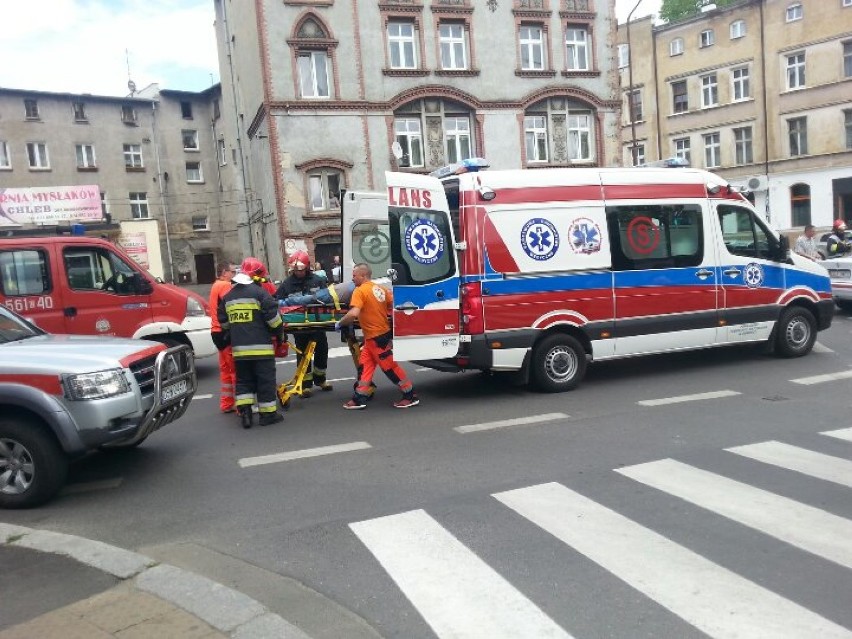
{"x":470,"y":165}
{"x":669,"y":163}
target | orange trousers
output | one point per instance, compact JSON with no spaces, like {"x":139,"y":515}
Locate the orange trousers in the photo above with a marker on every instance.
{"x":227,"y":379}
{"x":373,"y":355}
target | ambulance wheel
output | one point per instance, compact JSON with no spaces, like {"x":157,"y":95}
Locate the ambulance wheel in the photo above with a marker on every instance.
{"x":796,"y":332}
{"x":558,"y":363}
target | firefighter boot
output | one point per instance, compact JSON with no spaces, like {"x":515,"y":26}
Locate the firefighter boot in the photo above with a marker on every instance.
{"x":322,"y":382}
{"x":246,"y":416}
{"x":267,"y":419}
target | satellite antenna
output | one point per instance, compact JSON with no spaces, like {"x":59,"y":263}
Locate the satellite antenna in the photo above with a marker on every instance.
{"x":396,"y":149}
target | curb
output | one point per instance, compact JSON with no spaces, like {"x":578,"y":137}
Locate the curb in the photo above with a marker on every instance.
{"x":223,"y":608}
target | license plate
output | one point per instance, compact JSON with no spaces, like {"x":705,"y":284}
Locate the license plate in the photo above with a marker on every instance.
{"x":839,"y":273}
{"x":175,"y":390}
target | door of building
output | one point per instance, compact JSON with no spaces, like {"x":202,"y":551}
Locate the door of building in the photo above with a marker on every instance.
{"x":205,"y":268}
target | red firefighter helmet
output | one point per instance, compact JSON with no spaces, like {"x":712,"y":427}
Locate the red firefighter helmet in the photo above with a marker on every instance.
{"x":253,"y":267}
{"x":299,"y":261}
{"x":839,"y":225}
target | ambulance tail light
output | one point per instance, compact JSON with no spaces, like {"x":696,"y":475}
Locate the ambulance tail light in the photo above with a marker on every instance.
{"x":472,"y":321}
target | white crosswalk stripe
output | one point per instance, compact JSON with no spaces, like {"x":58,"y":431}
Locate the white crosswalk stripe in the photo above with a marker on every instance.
{"x":801,"y":460}
{"x":843,"y":433}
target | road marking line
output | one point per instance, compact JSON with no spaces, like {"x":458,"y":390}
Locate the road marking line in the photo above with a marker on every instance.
{"x":800,"y":460}
{"x":204,"y":396}
{"x":456,"y":593}
{"x":821,"y":348}
{"x":688,"y":398}
{"x":819,"y":379}
{"x":711,"y":598}
{"x":342,"y":351}
{"x":92,"y":486}
{"x":517,"y":421}
{"x":811,"y":529}
{"x":342,"y":379}
{"x":246,"y":462}
{"x":421,"y":370}
{"x":843,"y":433}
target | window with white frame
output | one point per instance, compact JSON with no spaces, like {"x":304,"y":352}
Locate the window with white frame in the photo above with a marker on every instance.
{"x":453,"y":46}
{"x":402,"y":44}
{"x":133,"y":156}
{"x":223,"y":156}
{"x":139,"y":205}
{"x":847,"y":59}
{"x":408,"y":133}
{"x":5,"y":158}
{"x":623,"y":56}
{"x":79,"y":109}
{"x":457,"y":137}
{"x":314,"y":74}
{"x":37,"y":155}
{"x":190,"y":139}
{"x":324,"y":186}
{"x":531,"y":39}
{"x":637,"y":154}
{"x":743,"y":145}
{"x":797,"y":130}
{"x":847,"y":124}
{"x":200,"y":223}
{"x":535,"y":136}
{"x":577,"y":46}
{"x":706,"y":38}
{"x":680,"y":97}
{"x":794,"y":12}
{"x":676,"y":47}
{"x":85,"y":156}
{"x":634,"y":106}
{"x":796,"y":70}
{"x":579,"y":135}
{"x":31,"y":109}
{"x":193,"y":172}
{"x":682,"y":149}
{"x":712,"y":150}
{"x":740,"y":85}
{"x":738,"y":29}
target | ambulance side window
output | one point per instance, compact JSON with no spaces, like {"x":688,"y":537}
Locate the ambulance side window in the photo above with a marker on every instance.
{"x":24,"y":272}
{"x":421,"y":247}
{"x":371,"y":244}
{"x":655,"y":236}
{"x":744,"y":234}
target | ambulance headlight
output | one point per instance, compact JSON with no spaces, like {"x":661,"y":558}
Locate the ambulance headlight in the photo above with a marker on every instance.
{"x":98,"y":385}
{"x":194,"y":308}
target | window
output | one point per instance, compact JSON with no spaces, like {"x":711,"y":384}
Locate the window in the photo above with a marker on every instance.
{"x":457,"y":135}
{"x":190,"y":139}
{"x":128,"y":114}
{"x":579,"y":136}
{"x":24,"y":273}
{"x":709,"y":91}
{"x":798,"y":132}
{"x":577,"y":45}
{"x":637,"y":154}
{"x":200,"y":223}
{"x":37,"y":154}
{"x":796,"y":71}
{"x":223,"y":157}
{"x":738,"y":29}
{"x":794,"y":12}
{"x":706,"y":38}
{"x":31,"y":109}
{"x":133,"y":156}
{"x":744,"y":234}
{"x":5,"y":158}
{"x":676,"y":47}
{"x":410,"y":223}
{"x":800,"y":204}
{"x":97,"y":269}
{"x":324,"y":186}
{"x":313,"y":74}
{"x":679,"y":230}
{"x":410,"y":138}
{"x":139,"y":205}
{"x":85,"y":156}
{"x":712,"y":150}
{"x":680,"y":98}
{"x":104,"y":205}
{"x":535,"y":135}
{"x":743,"y":145}
{"x":847,"y":121}
{"x":682,"y":149}
{"x":79,"y":111}
{"x":401,"y":42}
{"x":371,"y":244}
{"x":186,"y":110}
{"x":193,"y":172}
{"x":847,"y":59}
{"x":532,"y":48}
{"x":453,"y":45}
{"x":740,"y":84}
{"x":623,"y":56}
{"x":634,"y":107}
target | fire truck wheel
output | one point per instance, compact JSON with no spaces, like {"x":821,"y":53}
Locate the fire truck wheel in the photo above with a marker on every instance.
{"x":558,"y":363}
{"x":796,"y":332}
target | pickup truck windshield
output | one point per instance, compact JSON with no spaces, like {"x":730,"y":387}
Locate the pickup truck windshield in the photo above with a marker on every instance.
{"x":14,"y":328}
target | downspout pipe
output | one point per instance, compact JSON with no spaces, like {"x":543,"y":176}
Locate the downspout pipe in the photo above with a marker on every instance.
{"x":160,"y":180}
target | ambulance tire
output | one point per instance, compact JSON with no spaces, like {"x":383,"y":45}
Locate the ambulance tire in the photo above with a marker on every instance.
{"x":558,"y":363}
{"x":796,"y":332}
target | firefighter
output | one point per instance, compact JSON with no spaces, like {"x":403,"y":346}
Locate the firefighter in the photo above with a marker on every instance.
{"x":836,"y":244}
{"x":227,"y":374}
{"x":302,"y":281}
{"x":251,"y":316}
{"x":260,"y":276}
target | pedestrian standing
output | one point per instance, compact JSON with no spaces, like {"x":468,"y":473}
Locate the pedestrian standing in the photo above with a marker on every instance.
{"x":336,"y":271}
{"x":251,"y":315}
{"x":806,"y":243}
{"x":227,"y":374}
{"x":370,"y":305}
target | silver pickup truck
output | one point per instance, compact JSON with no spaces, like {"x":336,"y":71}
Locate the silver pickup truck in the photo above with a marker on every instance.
{"x":62,"y":396}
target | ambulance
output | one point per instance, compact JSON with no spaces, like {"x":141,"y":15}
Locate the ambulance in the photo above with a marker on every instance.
{"x":543,"y":271}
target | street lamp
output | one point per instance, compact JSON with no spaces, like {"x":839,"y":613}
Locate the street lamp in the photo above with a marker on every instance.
{"x":633,"y":153}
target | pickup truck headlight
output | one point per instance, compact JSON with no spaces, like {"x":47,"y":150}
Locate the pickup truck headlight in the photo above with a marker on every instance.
{"x":96,"y":385}
{"x":194,"y":308}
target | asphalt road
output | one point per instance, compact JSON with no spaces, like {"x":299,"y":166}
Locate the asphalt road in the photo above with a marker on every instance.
{"x":616,"y":510}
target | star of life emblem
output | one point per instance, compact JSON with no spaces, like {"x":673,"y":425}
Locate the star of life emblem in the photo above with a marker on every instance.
{"x":753,"y":275}
{"x":539,"y":239}
{"x":584,"y":236}
{"x":424,"y":241}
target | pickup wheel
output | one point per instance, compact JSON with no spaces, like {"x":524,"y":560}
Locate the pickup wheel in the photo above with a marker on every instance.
{"x":558,"y":364}
{"x":32,"y":465}
{"x":796,"y":332}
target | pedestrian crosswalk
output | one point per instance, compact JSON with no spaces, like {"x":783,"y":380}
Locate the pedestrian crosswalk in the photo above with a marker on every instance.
{"x":460,"y":595}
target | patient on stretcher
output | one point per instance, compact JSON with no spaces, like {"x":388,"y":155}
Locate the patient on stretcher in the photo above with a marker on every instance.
{"x":339,"y":294}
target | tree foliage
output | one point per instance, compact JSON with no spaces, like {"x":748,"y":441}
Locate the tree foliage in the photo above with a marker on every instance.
{"x":674,"y":10}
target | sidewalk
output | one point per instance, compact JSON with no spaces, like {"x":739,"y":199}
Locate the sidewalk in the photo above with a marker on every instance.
{"x":91,"y":590}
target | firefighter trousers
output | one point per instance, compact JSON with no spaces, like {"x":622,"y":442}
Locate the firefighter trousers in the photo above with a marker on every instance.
{"x":227,"y":379}
{"x":373,"y":355}
{"x":256,"y":376}
{"x":320,"y":356}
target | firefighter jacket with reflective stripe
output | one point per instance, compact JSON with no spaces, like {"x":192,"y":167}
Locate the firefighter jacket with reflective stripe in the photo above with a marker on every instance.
{"x":251,"y":316}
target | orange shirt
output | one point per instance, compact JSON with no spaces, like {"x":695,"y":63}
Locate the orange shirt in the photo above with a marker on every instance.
{"x":375,"y":303}
{"x":220,"y":287}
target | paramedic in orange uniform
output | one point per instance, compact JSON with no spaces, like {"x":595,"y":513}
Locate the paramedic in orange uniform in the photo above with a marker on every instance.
{"x":370,"y":305}
{"x":227,"y":373}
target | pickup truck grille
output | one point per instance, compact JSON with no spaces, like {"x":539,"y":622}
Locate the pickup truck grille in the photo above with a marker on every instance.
{"x":143,"y":371}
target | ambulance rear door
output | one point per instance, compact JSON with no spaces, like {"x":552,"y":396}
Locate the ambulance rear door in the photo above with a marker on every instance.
{"x":365,"y":236}
{"x":424,"y":269}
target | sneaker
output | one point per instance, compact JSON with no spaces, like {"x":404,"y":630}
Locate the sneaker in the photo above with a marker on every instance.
{"x":407,"y":402}
{"x":268,"y":419}
{"x":353,"y":405}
